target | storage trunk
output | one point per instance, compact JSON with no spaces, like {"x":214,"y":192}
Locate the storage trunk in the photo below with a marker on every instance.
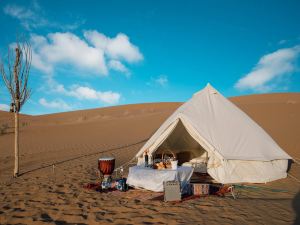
{"x":200,"y":189}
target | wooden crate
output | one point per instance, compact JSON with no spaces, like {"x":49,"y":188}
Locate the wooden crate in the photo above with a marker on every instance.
{"x":200,"y":189}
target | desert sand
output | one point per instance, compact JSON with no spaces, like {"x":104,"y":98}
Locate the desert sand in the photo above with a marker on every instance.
{"x":73,"y":141}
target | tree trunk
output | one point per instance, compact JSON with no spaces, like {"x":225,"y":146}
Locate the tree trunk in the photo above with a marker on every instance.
{"x":16,"y":169}
{"x":17,"y":110}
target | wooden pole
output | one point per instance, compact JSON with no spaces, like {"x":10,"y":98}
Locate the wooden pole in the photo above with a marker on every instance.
{"x":17,"y":109}
{"x":16,"y":169}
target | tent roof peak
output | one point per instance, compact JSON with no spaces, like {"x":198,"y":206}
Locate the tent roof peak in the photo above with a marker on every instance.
{"x":208,"y":88}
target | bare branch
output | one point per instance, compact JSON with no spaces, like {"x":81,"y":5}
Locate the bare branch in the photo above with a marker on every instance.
{"x":7,"y":81}
{"x":18,"y":67}
{"x":28,"y":58}
{"x":10,"y":62}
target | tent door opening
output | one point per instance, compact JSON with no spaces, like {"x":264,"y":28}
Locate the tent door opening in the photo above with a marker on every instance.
{"x":187,"y":151}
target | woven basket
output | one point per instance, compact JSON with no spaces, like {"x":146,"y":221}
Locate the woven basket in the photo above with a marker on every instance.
{"x":164,"y":153}
{"x":164,"y":163}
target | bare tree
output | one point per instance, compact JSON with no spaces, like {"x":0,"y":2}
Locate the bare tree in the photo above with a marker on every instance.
{"x":15,"y":73}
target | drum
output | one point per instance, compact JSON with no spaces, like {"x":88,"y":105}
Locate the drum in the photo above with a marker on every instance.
{"x":106,"y":165}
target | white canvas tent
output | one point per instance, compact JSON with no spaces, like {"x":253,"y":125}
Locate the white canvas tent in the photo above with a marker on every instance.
{"x":237,"y":149}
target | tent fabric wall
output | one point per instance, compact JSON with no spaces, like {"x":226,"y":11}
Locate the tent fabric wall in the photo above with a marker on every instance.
{"x":239,"y":150}
{"x":242,"y":171}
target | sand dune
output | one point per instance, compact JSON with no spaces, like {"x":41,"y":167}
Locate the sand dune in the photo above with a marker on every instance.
{"x":278,"y":114}
{"x":73,"y":141}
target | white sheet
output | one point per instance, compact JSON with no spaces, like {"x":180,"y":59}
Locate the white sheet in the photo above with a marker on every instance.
{"x":152,"y":179}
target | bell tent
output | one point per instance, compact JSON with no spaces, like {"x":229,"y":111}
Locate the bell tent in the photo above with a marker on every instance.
{"x":209,"y":128}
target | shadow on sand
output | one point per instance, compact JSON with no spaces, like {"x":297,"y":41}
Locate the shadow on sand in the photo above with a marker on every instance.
{"x":296,"y":206}
{"x":290,"y":162}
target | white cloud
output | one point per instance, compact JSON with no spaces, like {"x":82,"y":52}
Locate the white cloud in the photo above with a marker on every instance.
{"x":40,"y":64}
{"x":67,"y":48}
{"x":159,"y":81}
{"x":55,"y":104}
{"x":18,"y":12}
{"x":32,"y":17}
{"x":82,"y":92}
{"x":269,"y":70}
{"x":4,"y":107}
{"x":85,"y":93}
{"x":118,"y":47}
{"x":281,"y":42}
{"x":162,"y":80}
{"x":118,"y":66}
{"x":59,"y":48}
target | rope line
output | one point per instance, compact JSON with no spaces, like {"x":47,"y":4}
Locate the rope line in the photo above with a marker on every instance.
{"x":296,"y":161}
{"x":259,"y":188}
{"x":294,"y":178}
{"x":86,"y":155}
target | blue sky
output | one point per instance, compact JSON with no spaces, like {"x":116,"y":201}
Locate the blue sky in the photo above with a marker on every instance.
{"x":90,"y":54}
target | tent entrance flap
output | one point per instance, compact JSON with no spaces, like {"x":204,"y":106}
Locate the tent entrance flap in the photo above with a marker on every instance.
{"x":182,"y":144}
